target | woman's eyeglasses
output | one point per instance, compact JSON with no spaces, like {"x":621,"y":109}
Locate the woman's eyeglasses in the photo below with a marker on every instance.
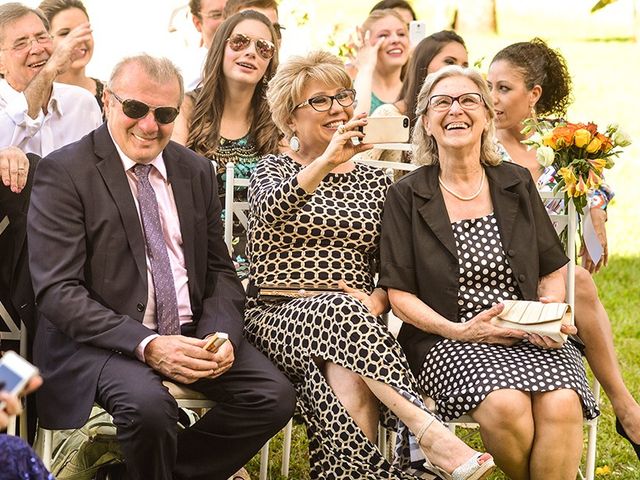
{"x":323,"y":103}
{"x":239,"y":41}
{"x":467,"y":101}
{"x":136,"y":109}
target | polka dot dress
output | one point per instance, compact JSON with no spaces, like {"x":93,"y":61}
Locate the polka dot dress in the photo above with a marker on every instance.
{"x":458,"y":375}
{"x":297,"y":237}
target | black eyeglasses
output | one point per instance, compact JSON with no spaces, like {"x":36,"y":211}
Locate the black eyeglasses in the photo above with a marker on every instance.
{"x":467,"y":101}
{"x":136,"y":109}
{"x":239,"y":41}
{"x":323,"y":103}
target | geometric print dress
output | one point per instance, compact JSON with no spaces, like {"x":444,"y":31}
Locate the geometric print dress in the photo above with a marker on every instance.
{"x":459,"y":375}
{"x":316,"y":239}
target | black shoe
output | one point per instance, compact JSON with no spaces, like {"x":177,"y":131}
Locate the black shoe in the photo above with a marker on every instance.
{"x":624,"y":435}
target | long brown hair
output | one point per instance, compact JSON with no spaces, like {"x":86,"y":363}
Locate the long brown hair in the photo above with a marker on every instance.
{"x":204,"y":131}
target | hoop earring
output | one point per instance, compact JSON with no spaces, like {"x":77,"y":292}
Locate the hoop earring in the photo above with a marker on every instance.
{"x":294,"y":143}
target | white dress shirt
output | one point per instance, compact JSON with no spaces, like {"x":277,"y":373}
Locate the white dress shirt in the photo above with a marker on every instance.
{"x":72,"y":112}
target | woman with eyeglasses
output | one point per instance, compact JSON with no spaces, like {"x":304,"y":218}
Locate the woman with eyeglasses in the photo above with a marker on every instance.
{"x":530,"y":79}
{"x":65,"y":17}
{"x":228,"y":119}
{"x":431,"y":54}
{"x":383,"y":51}
{"x":474,"y":232}
{"x":313,"y":307}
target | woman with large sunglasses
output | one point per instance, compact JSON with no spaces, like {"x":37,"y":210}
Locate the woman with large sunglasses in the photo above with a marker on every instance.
{"x":530,"y":79}
{"x":474,"y":232}
{"x":228,"y":119}
{"x":313,"y":307}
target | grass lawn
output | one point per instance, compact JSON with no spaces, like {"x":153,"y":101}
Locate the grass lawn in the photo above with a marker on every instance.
{"x":605,"y":90}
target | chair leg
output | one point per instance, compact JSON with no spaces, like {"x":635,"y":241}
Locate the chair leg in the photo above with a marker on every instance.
{"x":47,"y":447}
{"x":11,"y":427}
{"x":264,"y":461}
{"x":286,"y":449}
{"x":592,"y":436}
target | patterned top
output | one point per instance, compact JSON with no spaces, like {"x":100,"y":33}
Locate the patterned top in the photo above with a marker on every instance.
{"x":299,"y":238}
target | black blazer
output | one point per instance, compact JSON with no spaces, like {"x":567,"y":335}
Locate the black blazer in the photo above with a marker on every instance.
{"x":87,"y":259}
{"x":418,"y":252}
{"x":15,"y":281}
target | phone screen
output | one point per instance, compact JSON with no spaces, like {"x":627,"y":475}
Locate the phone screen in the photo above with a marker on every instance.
{"x":9,"y":378}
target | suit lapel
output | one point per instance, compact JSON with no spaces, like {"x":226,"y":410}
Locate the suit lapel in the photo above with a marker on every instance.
{"x":433,"y":210}
{"x":110,"y":167}
{"x":180,"y":181}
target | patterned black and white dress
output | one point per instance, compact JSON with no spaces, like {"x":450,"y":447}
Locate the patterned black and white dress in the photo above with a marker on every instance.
{"x":318,"y":239}
{"x":459,"y":375}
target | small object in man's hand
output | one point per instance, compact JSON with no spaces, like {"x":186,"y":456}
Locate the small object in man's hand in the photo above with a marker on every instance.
{"x":215,"y":342}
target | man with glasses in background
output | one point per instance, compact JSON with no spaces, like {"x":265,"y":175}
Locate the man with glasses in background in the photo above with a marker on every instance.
{"x":38,"y":115}
{"x":133,"y":278}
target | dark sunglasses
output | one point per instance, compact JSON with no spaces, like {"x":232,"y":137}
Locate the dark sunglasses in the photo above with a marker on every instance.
{"x":136,"y":109}
{"x":239,"y":41}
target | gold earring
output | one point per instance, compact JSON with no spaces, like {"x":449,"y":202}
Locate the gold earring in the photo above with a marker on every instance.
{"x":532,"y":114}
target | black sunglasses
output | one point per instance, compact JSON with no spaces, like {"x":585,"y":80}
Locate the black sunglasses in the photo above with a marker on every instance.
{"x":240,"y":41}
{"x":136,"y":109}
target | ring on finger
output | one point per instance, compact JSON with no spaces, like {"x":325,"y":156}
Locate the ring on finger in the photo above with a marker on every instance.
{"x":341,"y":129}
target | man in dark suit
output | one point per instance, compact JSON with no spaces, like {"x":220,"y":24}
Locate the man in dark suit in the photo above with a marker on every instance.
{"x":101,"y":261}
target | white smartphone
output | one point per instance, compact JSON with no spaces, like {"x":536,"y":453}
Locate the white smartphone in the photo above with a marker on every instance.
{"x":15,"y":373}
{"x":386,"y":130}
{"x":215,"y":342}
{"x":417,"y":32}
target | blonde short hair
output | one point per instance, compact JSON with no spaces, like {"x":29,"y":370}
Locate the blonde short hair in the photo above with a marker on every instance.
{"x":425,"y":146}
{"x":287,"y":85}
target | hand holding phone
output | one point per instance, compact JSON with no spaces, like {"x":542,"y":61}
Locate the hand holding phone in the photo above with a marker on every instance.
{"x":215,"y":341}
{"x":386,"y":130}
{"x":15,"y":373}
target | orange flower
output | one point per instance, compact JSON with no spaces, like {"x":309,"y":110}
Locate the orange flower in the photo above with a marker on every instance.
{"x":607,"y":144}
{"x":563,"y":136}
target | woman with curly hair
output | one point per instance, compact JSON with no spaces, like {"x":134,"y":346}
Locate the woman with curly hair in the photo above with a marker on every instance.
{"x":529,"y":79}
{"x":228,"y":119}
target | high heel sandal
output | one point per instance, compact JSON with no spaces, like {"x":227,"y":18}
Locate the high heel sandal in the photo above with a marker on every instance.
{"x":472,"y":469}
{"x":624,"y":435}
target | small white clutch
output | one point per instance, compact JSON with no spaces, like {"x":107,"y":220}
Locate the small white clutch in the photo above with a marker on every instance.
{"x":535,"y":317}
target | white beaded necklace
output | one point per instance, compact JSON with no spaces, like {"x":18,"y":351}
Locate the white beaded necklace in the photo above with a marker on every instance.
{"x":460,"y":197}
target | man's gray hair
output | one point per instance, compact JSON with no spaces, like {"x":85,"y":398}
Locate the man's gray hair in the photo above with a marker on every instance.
{"x":160,"y":69}
{"x":10,"y":12}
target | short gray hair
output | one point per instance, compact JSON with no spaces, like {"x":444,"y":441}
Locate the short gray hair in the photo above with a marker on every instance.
{"x":425,"y":146}
{"x":160,"y":69}
{"x":10,"y":12}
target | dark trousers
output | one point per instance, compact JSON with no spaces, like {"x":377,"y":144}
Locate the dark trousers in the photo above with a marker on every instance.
{"x":254,"y":401}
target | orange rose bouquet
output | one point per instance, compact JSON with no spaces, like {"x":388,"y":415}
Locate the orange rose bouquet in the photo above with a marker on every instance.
{"x":578,"y":152}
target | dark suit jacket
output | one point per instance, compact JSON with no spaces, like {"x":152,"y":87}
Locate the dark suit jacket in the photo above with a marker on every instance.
{"x":87,"y":259}
{"x":418,"y":251}
{"x":15,"y":281}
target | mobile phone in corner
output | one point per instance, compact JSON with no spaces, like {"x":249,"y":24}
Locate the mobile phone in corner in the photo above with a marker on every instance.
{"x":15,"y":373}
{"x":417,"y":32}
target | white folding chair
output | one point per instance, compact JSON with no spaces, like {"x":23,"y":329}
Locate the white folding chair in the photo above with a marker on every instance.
{"x":239,"y":210}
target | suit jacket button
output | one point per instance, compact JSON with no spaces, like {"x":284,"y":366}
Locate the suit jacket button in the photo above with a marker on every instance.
{"x":521,"y":277}
{"x":140,"y":307}
{"x":511,"y":253}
